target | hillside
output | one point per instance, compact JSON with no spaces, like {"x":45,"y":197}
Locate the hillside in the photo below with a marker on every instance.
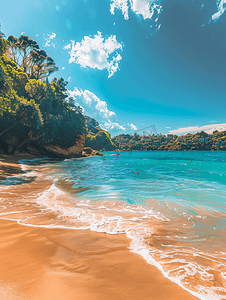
{"x":197,"y":141}
{"x":97,"y":138}
{"x":36,"y":116}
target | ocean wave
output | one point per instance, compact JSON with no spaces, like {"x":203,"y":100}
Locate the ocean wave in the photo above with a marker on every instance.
{"x":185,"y":265}
{"x":173,"y":236}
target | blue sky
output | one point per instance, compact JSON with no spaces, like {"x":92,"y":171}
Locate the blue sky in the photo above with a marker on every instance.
{"x":133,"y":63}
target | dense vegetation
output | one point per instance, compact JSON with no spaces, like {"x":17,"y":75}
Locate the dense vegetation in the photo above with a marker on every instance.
{"x":31,"y":107}
{"x":97,"y":138}
{"x":198,"y":141}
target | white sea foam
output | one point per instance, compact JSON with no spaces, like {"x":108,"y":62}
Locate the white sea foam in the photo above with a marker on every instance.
{"x":136,"y":221}
{"x":114,"y":219}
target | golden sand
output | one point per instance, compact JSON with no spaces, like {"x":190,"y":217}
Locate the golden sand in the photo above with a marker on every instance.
{"x":43,"y":263}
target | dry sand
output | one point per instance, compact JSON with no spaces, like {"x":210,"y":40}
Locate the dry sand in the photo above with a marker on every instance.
{"x":42,"y":263}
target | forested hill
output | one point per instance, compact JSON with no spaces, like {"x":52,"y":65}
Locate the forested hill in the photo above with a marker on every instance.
{"x":36,"y":116}
{"x":97,"y":138}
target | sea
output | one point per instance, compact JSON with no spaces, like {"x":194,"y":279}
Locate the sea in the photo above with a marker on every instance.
{"x":171,"y":205}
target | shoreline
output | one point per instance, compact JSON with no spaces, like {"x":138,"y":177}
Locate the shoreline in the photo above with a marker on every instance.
{"x":9,"y":165}
{"x":52,"y":263}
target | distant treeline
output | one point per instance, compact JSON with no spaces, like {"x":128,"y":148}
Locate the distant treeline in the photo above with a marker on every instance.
{"x":197,"y":141}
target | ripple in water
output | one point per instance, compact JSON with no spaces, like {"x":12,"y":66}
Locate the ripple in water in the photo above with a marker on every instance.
{"x":170,"y":204}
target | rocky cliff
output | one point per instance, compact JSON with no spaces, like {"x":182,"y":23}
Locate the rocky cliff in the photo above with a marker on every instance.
{"x":20,"y":140}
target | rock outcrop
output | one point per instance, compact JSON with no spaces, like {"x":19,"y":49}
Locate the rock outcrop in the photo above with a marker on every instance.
{"x":57,"y":150}
{"x":87,"y":151}
{"x":20,"y":140}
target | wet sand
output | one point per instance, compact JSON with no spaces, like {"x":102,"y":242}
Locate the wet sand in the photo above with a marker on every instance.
{"x":41,"y":263}
{"x":50,"y":263}
{"x":9,"y":165}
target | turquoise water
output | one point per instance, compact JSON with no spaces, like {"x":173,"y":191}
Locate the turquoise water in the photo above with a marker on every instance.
{"x":186,"y":190}
{"x":171,"y":205}
{"x":186,"y":178}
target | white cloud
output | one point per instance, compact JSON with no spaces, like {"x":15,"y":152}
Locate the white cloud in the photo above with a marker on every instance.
{"x":97,"y":109}
{"x":158,"y":27}
{"x":146,"y":8}
{"x":63,"y":68}
{"x":207,"y":128}
{"x":67,"y":47}
{"x":221,"y":6}
{"x":132,"y":126}
{"x":48,"y":40}
{"x":121,"y":5}
{"x":96,"y":52}
{"x":113,"y":126}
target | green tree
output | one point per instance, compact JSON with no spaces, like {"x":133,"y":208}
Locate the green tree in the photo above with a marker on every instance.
{"x":1,"y":33}
{"x":3,"y":81}
{"x":26,"y":54}
{"x":20,"y":49}
{"x":30,"y":106}
{"x":41,"y":65}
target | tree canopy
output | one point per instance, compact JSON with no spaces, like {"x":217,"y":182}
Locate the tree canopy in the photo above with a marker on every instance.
{"x":26,"y":53}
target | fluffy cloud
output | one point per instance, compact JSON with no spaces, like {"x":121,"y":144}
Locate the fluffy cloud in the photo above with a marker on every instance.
{"x":121,"y":5}
{"x":96,"y":108}
{"x":221,"y":6}
{"x":113,"y":126}
{"x":207,"y":128}
{"x":96,"y":53}
{"x":146,"y":8}
{"x":67,"y":47}
{"x":48,"y":40}
{"x":132,"y":126}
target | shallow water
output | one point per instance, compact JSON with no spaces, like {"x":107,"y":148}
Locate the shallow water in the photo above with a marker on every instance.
{"x":170,"y":204}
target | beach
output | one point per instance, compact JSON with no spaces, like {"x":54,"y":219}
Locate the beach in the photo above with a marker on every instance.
{"x":40,"y":263}
{"x":112,"y":169}
{"x":60,"y":263}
